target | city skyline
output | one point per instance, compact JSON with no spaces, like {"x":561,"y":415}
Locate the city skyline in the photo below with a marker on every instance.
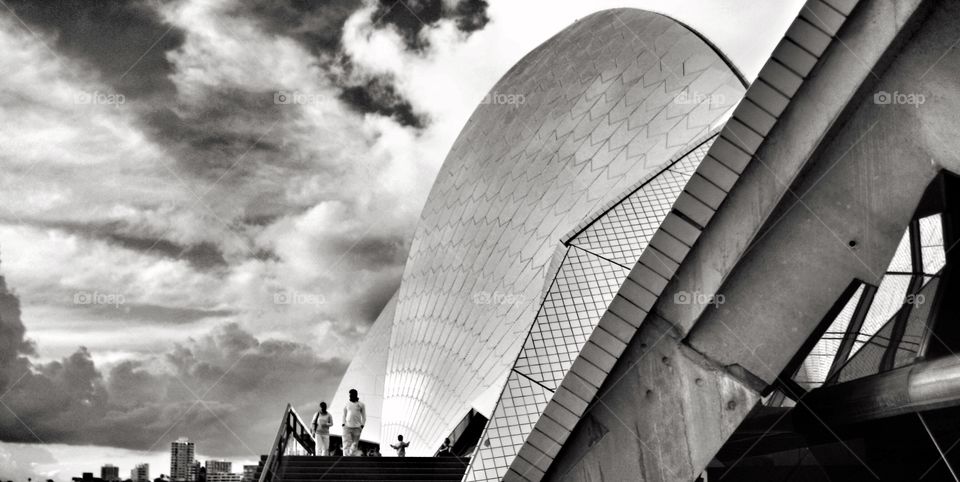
{"x":182,"y":452}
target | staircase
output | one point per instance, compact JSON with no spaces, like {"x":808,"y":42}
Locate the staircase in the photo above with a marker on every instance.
{"x":355,"y":469}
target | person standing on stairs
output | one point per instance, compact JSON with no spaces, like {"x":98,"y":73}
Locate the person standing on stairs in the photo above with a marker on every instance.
{"x":322,"y":421}
{"x":354,"y":418}
{"x":446,"y":450}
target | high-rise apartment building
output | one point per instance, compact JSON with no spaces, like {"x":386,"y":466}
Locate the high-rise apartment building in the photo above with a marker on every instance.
{"x":182,"y":464}
{"x":249,"y":473}
{"x":216,"y":466}
{"x":110,"y":473}
{"x":223,"y":477}
{"x":140,"y":473}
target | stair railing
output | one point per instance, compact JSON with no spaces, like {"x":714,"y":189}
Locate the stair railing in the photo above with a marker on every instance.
{"x":292,"y":429}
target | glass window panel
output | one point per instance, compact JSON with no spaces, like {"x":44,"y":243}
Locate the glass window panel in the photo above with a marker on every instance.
{"x":931,"y":244}
{"x":866,"y":361}
{"x":917,"y":324}
{"x":888,"y":300}
{"x":813,"y":372}
{"x":901,"y":259}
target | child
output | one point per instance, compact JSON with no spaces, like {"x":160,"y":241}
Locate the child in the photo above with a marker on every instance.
{"x":401,"y":446}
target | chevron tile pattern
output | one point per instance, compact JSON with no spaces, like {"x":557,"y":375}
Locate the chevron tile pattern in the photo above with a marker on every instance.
{"x":603,"y":103}
{"x":623,"y":233}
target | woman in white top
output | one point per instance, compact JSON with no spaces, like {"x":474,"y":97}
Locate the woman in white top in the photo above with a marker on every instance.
{"x":322,"y":421}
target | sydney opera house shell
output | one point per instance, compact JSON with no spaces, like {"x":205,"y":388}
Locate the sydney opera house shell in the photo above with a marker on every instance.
{"x":537,"y":216}
{"x":634,"y":264}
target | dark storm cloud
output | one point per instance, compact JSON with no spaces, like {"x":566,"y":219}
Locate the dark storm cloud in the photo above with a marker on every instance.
{"x":409,"y":17}
{"x":378,"y":96}
{"x":127,"y":43}
{"x":13,"y":342}
{"x":125,"y":40}
{"x":221,"y":390}
{"x":317,"y":24}
{"x":223,"y":137}
{"x":211,"y":136}
{"x":373,"y":302}
{"x":371,"y":252}
{"x":155,"y":315}
{"x":471,"y":15}
{"x":202,"y":255}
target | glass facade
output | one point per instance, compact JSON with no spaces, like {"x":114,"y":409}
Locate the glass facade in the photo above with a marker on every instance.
{"x":816,"y":367}
{"x":904,"y":297}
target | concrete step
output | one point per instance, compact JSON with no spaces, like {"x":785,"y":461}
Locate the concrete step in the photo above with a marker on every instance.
{"x":357,"y":469}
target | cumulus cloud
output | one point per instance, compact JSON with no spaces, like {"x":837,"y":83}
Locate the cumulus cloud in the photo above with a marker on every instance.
{"x":19,"y":461}
{"x":255,"y":186}
{"x":203,"y":196}
{"x":225,"y":390}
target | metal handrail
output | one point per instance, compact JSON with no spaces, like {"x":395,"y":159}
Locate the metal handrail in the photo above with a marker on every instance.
{"x":291,"y":426}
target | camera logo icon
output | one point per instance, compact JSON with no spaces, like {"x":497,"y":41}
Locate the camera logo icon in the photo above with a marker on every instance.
{"x":882,"y":98}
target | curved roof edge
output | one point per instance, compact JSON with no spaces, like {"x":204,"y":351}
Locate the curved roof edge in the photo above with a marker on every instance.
{"x":716,"y":49}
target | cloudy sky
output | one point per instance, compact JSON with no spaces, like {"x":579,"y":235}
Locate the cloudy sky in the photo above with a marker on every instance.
{"x":205,"y":203}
